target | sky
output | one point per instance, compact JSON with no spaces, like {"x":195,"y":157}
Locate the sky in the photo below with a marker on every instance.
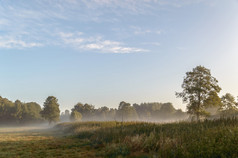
{"x":103,"y":52}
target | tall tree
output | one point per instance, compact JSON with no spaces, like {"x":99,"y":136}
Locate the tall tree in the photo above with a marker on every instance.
{"x":75,"y":116}
{"x":229,"y":106}
{"x":126,"y":112}
{"x":51,"y":110}
{"x":18,"y":110}
{"x":86,"y":110}
{"x":213,"y":100}
{"x":31,"y":112}
{"x":197,"y":85}
{"x":228,"y":102}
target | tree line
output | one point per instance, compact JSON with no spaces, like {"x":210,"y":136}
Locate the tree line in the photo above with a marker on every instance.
{"x":28,"y":113}
{"x":23,"y":113}
{"x":128,"y":112}
{"x":19,"y":112}
{"x":200,"y":93}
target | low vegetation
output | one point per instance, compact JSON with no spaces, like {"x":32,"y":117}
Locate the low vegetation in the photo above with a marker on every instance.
{"x":216,"y":138}
{"x":34,"y":142}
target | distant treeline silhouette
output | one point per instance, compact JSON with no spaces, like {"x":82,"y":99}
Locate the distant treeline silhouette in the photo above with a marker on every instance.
{"x":24,"y":113}
{"x":126,"y":112}
{"x":19,"y":112}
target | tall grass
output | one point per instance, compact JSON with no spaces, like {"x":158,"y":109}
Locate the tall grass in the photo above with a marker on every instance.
{"x":218,"y":138}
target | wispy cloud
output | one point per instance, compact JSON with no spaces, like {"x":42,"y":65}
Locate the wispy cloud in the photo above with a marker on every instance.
{"x":152,"y":43}
{"x":140,"y":31}
{"x":3,"y":22}
{"x":10,"y":42}
{"x":96,"y":43}
{"x":34,"y":24}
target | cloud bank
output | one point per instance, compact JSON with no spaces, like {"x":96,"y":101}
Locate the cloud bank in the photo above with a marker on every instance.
{"x":97,"y":43}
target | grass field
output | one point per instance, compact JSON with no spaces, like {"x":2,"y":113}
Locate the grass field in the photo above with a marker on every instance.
{"x":36,"y":142}
{"x":129,"y":139}
{"x":134,"y":139}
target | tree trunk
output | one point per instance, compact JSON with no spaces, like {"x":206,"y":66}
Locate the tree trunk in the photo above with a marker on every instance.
{"x":199,"y":104}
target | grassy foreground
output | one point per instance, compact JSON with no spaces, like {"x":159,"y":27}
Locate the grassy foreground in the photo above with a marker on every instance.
{"x":131,"y":139}
{"x":203,"y":139}
{"x":37,"y":142}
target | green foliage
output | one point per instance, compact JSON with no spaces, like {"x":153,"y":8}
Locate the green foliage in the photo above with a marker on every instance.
{"x":6,"y":110}
{"x":75,"y":116}
{"x":213,"y":100}
{"x":86,"y":110}
{"x":159,"y":112}
{"x":18,"y":112}
{"x":228,"y":102}
{"x":126,"y":112}
{"x":51,"y":110}
{"x":21,"y":113}
{"x":115,"y":151}
{"x":103,"y":113}
{"x":165,"y":111}
{"x":229,"y":106}
{"x":199,"y":91}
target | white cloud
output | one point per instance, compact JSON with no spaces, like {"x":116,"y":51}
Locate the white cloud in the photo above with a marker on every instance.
{"x":140,"y":31}
{"x":138,"y":6}
{"x":152,"y":43}
{"x":65,"y":35}
{"x":10,"y":42}
{"x":96,"y":43}
{"x":93,"y":46}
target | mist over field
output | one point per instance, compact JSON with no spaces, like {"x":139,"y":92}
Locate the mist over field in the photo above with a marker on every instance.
{"x":23,"y":114}
{"x":118,"y":78}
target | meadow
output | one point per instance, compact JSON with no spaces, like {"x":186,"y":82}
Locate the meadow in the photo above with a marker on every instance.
{"x":218,"y":138}
{"x":35,"y":142}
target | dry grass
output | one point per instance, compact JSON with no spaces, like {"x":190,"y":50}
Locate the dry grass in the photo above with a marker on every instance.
{"x":218,"y":138}
{"x":31,"y":142}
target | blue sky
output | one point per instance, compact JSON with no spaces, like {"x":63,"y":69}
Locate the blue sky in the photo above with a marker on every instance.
{"x":102,"y":52}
